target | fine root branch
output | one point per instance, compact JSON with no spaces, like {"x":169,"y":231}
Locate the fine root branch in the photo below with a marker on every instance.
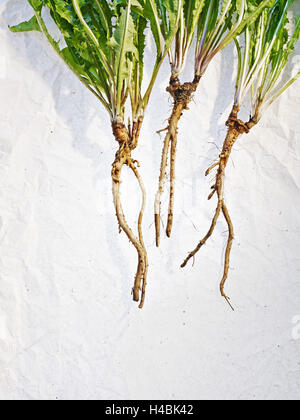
{"x":206,"y":237}
{"x":211,"y":168}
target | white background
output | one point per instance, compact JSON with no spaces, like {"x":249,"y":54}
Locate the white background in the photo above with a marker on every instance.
{"x":68,"y":327}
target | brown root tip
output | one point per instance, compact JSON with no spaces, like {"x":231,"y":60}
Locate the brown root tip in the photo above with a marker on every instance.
{"x":157,"y":228}
{"x":211,"y":195}
{"x":157,"y":241}
{"x":136,"y":295}
{"x":169,"y":226}
{"x":183,"y":265}
{"x":228,"y":301}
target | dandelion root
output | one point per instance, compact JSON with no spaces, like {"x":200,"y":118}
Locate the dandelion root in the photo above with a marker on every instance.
{"x":182,"y":95}
{"x":127,"y":139}
{"x":236,"y":128}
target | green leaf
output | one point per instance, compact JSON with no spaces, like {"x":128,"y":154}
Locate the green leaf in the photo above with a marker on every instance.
{"x":171,"y":11}
{"x":254,"y":10}
{"x":141,"y":44}
{"x":105,"y":15}
{"x":294,"y":38}
{"x":69,"y":58}
{"x":192,"y":10}
{"x":36,"y":4}
{"x":151,"y":12}
{"x":64,"y":9}
{"x":30,"y":25}
{"x":122,"y":42}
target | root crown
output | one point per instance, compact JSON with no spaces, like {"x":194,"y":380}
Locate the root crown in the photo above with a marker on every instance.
{"x":120,"y":132}
{"x":182,"y":93}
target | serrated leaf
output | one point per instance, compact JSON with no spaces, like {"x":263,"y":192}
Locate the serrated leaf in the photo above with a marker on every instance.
{"x":192,"y":10}
{"x":141,"y":44}
{"x":171,"y":10}
{"x":64,"y":9}
{"x":122,"y":42}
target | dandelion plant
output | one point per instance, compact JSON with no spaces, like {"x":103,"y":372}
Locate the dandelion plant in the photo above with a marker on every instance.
{"x":264,"y":51}
{"x":210,"y":22}
{"x":104,"y":44}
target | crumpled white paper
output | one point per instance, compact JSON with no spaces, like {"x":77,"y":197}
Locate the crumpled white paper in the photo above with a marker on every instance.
{"x":68,"y":327}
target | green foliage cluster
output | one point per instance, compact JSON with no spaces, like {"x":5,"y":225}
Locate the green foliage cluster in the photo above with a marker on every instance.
{"x":264,"y":51}
{"x":105,"y":43}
